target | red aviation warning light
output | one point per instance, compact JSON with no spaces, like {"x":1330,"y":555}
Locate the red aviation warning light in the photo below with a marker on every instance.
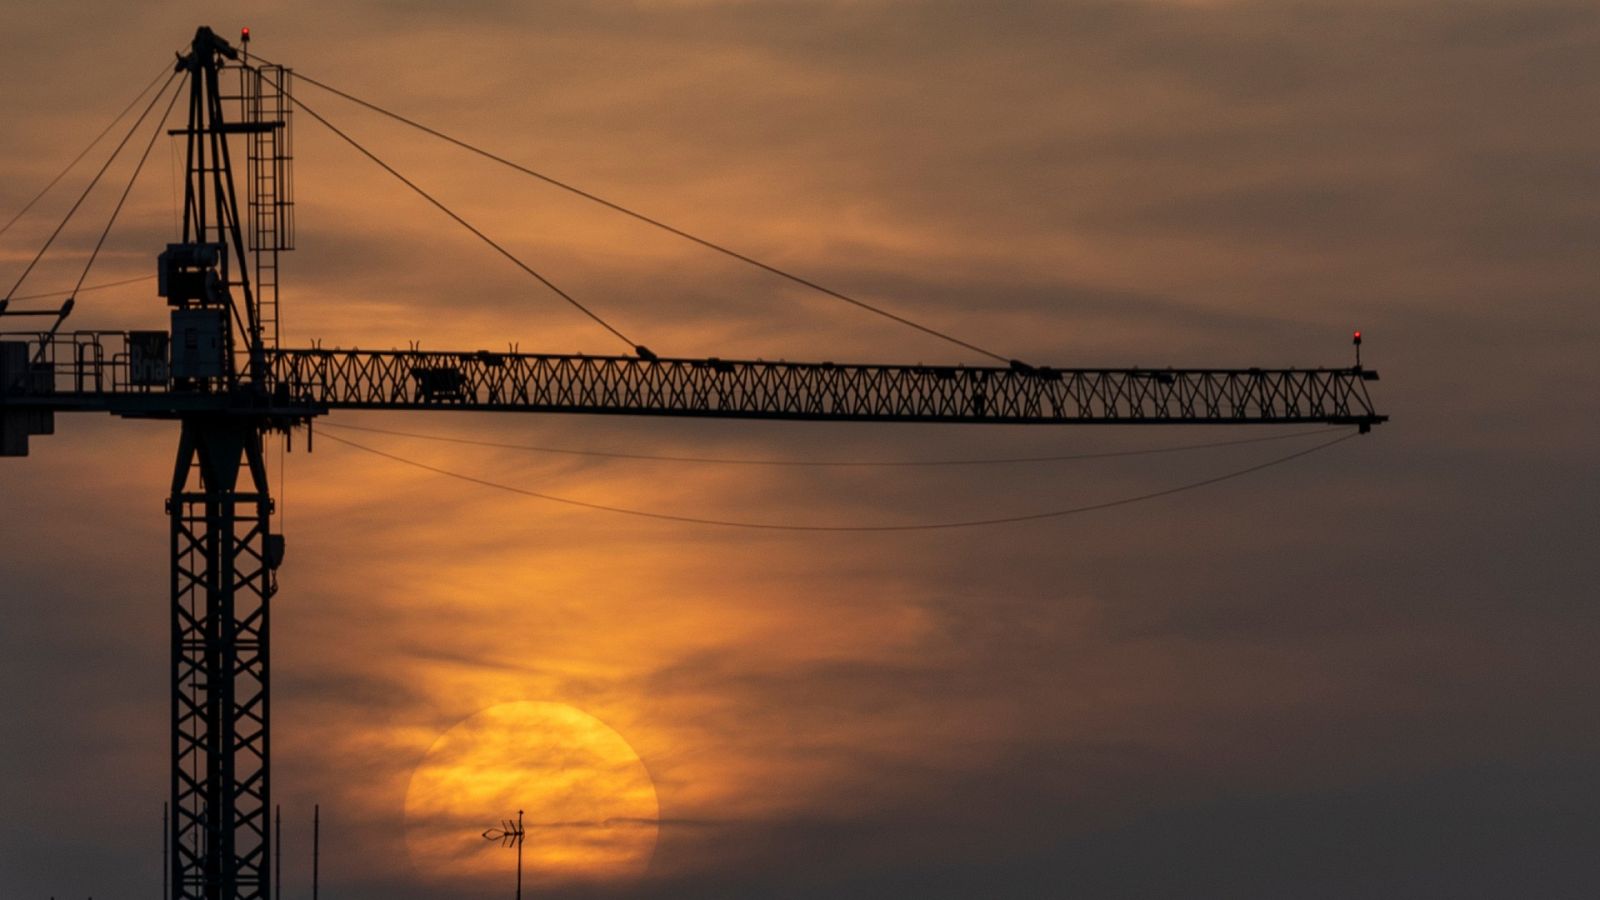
{"x":1358,"y":338}
{"x":244,"y":34}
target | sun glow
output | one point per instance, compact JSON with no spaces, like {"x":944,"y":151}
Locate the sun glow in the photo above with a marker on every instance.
{"x":590,"y":805}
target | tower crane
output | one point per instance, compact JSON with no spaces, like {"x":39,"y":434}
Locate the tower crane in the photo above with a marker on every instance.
{"x":218,"y":372}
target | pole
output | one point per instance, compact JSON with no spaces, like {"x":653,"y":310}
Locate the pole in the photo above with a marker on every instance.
{"x":277,"y":851}
{"x":316,"y":846}
{"x":164,"y":895}
{"x":519,"y":854}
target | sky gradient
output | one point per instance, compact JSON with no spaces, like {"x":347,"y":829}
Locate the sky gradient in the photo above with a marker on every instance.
{"x":1369,"y":672}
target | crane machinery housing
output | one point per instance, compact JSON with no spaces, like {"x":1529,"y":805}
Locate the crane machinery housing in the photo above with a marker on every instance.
{"x":218,"y":371}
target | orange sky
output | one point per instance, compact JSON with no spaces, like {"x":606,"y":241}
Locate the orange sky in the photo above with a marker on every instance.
{"x":1380,"y":653}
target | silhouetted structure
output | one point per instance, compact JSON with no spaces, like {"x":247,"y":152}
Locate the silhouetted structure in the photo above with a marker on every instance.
{"x":510,"y":834}
{"x":219,"y":373}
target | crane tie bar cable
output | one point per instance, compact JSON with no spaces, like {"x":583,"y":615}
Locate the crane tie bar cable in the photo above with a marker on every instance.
{"x":779,"y":526}
{"x":126,"y":191}
{"x":165,"y":68}
{"x":86,"y":191}
{"x":657,"y":223}
{"x":638,"y":348}
{"x":85,"y":289}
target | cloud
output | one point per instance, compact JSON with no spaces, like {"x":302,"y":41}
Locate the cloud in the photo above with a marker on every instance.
{"x":1379,"y":651}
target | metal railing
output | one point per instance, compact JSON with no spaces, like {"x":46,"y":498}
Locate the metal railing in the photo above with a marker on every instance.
{"x":81,"y":362}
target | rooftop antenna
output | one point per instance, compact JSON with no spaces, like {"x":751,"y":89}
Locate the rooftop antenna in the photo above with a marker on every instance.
{"x":316,"y":846}
{"x":510,"y":834}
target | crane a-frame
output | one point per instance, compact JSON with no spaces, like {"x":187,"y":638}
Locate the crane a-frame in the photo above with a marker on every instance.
{"x":219,"y":373}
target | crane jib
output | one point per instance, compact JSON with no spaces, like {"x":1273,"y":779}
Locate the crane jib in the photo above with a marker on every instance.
{"x":141,"y":374}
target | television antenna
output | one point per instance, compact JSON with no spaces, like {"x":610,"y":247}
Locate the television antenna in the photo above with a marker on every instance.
{"x":510,"y":834}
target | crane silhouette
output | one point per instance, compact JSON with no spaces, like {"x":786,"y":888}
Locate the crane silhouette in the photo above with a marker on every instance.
{"x":219,"y":373}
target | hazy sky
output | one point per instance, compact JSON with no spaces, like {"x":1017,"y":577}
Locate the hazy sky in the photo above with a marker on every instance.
{"x":1370,"y":672}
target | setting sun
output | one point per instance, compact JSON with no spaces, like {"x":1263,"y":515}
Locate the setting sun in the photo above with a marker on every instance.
{"x":589,"y":804}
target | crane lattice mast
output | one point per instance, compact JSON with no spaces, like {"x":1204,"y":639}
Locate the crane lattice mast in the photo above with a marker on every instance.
{"x":218,"y":372}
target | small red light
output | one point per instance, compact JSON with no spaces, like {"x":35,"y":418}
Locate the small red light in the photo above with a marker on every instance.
{"x":244,"y":34}
{"x":1358,"y":335}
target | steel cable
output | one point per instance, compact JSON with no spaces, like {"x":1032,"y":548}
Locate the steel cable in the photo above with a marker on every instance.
{"x":87,"y":190}
{"x":139,"y":167}
{"x":779,"y":526}
{"x":920,"y":463}
{"x":467,"y":225}
{"x":657,"y":223}
{"x":165,"y":67}
{"x":84,"y":290}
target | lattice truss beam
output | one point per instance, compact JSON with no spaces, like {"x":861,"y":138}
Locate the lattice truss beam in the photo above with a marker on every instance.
{"x":89,"y":371}
{"x":494,"y":381}
{"x":224,"y":555}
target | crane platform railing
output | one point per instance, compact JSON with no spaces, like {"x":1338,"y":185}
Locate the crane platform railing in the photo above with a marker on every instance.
{"x":77,"y":363}
{"x":124,"y":371}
